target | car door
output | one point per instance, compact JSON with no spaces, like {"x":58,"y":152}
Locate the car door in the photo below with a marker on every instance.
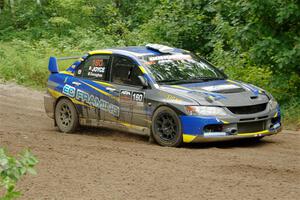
{"x":89,"y":81}
{"x":132,"y":100}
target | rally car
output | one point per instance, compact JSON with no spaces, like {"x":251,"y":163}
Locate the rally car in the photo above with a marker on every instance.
{"x":166,"y":93}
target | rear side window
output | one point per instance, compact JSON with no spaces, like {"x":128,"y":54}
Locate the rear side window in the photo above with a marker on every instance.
{"x":125,"y":71}
{"x":95,"y":67}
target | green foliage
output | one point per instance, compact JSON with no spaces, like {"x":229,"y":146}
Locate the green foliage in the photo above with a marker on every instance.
{"x":291,"y":114}
{"x":253,"y":41}
{"x":12,"y":170}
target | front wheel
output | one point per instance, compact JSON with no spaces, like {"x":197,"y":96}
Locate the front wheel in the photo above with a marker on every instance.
{"x":66,"y":116}
{"x":166,"y":127}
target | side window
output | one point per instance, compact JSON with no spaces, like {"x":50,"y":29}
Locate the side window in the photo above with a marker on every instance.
{"x":125,"y":71}
{"x":95,"y":67}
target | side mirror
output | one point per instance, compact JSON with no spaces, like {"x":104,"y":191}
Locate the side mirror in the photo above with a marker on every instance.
{"x":143,"y":81}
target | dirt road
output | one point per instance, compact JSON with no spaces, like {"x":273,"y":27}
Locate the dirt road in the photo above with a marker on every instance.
{"x":104,"y":164}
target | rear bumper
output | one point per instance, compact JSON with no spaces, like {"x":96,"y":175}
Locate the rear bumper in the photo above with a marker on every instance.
{"x":49,"y":103}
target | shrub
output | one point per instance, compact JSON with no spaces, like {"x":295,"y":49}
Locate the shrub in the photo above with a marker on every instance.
{"x":13,"y":169}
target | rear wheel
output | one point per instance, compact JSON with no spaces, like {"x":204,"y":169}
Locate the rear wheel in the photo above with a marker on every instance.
{"x":66,"y":116}
{"x":166,"y":127}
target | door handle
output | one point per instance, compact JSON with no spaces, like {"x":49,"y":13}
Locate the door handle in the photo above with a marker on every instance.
{"x":76,"y":83}
{"x":111,"y":89}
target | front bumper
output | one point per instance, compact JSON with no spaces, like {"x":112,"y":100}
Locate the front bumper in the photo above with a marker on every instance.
{"x":201,"y":138}
{"x":198,"y":129}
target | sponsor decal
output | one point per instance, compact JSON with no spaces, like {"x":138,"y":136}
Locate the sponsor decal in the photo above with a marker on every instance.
{"x":133,"y":97}
{"x":69,"y":90}
{"x":96,"y":71}
{"x":98,"y":62}
{"x":125,"y":95}
{"x":91,"y":100}
{"x":97,"y":66}
{"x":138,"y":96}
{"x":172,"y":98}
{"x":214,"y":134}
{"x":170,"y":57}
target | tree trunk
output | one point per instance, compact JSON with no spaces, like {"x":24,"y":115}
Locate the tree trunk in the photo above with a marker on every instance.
{"x":1,"y":5}
{"x":118,"y":3}
{"x":12,"y":6}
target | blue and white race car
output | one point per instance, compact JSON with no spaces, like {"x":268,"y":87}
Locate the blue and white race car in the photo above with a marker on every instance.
{"x":166,"y":93}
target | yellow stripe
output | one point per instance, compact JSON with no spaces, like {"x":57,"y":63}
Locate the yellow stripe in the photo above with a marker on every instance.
{"x":103,"y":83}
{"x":55,"y":93}
{"x":188,"y":138}
{"x":148,"y":121}
{"x":180,"y":87}
{"x":66,"y":72}
{"x":101,"y":91}
{"x":125,"y":124}
{"x":143,"y":69}
{"x":100,"y":52}
{"x":255,"y":133}
{"x":80,"y":103}
{"x":128,"y":125}
{"x":276,"y":114}
{"x":225,"y":122}
{"x":231,"y":81}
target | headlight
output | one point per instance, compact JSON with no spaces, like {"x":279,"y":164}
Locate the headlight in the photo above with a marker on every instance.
{"x":205,"y":110}
{"x":273,"y":104}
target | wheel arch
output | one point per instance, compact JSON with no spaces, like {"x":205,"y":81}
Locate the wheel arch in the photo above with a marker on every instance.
{"x":179,"y":112}
{"x":57,"y":100}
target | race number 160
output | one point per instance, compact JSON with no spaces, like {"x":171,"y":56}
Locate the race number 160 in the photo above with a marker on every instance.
{"x":138,"y":96}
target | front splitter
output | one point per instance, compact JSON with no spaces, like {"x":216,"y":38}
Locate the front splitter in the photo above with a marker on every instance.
{"x":201,"y":138}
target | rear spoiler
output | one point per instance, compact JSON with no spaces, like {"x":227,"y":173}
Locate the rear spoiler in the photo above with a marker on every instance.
{"x":53,"y":66}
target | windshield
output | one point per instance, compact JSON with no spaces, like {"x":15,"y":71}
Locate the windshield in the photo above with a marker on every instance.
{"x":182,"y":68}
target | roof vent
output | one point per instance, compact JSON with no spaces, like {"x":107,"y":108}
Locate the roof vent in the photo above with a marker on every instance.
{"x":160,"y":48}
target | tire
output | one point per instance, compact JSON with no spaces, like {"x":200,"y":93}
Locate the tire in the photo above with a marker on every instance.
{"x":166,"y":127}
{"x":66,"y":116}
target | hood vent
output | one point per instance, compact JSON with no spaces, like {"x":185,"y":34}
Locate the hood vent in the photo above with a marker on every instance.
{"x":225,"y":91}
{"x":222,"y":88}
{"x":234,"y":90}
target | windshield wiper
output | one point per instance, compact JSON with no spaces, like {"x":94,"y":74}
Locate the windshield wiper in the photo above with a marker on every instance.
{"x":208,"y":78}
{"x":174,"y":81}
{"x":194,"y":80}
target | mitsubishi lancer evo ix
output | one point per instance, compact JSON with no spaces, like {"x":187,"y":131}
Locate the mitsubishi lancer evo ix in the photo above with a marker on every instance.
{"x":166,"y":93}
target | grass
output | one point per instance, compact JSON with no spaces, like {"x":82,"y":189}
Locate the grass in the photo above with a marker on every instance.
{"x":27,"y":65}
{"x":291,"y":116}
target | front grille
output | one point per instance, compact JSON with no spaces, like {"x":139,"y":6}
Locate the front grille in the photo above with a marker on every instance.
{"x":248,"y":109}
{"x":250,"y":127}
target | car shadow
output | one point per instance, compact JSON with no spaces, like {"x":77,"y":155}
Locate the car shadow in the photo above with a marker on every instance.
{"x":131,"y":137}
{"x":113,"y":134}
{"x":240,"y":143}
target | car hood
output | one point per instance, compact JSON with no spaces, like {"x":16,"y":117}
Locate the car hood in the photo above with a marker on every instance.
{"x":219,"y":93}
